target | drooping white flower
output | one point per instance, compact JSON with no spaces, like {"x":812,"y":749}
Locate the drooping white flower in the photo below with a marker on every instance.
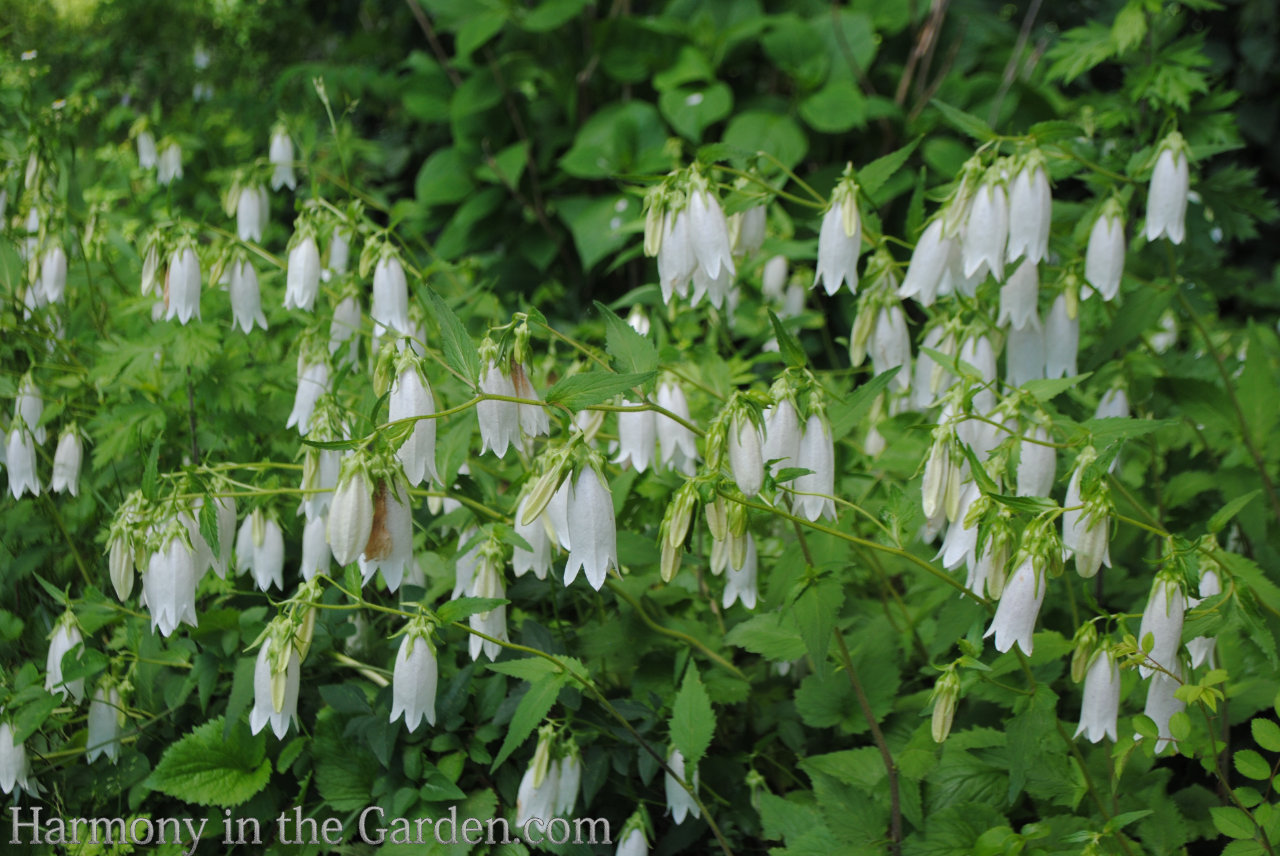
{"x":1030,"y":212}
{"x":105,"y":712}
{"x":346,"y":323}
{"x":169,"y":164}
{"x":1167,"y":197}
{"x":252,"y":208}
{"x":1201,"y":648}
{"x":390,"y":306}
{"x":959,"y":546}
{"x":1104,"y":257}
{"x":226,"y":518}
{"x":313,"y":382}
{"x":339,"y":250}
{"x":280,"y":153}
{"x":146,"y":150}
{"x":773,"y":279}
{"x":1101,"y":703}
{"x":977,"y":352}
{"x":411,"y":398}
{"x":65,"y":639}
{"x":740,"y":580}
{"x":715,"y":290}
{"x":1037,"y":463}
{"x":558,"y":512}
{"x":1015,"y":619}
{"x":539,"y":786}
{"x":633,"y":843}
{"x":29,"y":407}
{"x":413,"y":680}
{"x":817,"y":453}
{"x":315,"y":549}
{"x":66,"y":464}
{"x":53,"y":274}
{"x":1018,"y":297}
{"x":1061,"y":340}
{"x":302,"y":277}
{"x":534,"y":421}
{"x":320,"y":470}
{"x":709,"y":233}
{"x":840,"y":241}
{"x":487,"y":582}
{"x":986,"y":231}
{"x":246,"y":298}
{"x":679,"y":802}
{"x":748,"y":230}
{"x":499,"y":420}
{"x":390,"y":545}
{"x":891,"y":346}
{"x":183,"y":294}
{"x":593,"y":534}
{"x":743,"y":447}
{"x":260,"y":550}
{"x":169,"y":585}
{"x":15,"y":769}
{"x":1113,"y":404}
{"x":267,"y":673}
{"x":1024,"y":352}
{"x":928,"y":263}
{"x":538,"y":559}
{"x":1162,"y":704}
{"x":350,"y":517}
{"x":676,"y":258}
{"x":20,"y":456}
{"x":781,"y":435}
{"x":677,"y":445}
{"x":1162,"y":618}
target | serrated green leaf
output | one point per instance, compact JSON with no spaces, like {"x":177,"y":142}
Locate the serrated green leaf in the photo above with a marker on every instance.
{"x":580,"y":391}
{"x":1251,"y":765}
{"x":815,"y":612}
{"x":772,"y":635}
{"x":788,"y":345}
{"x":1044,"y":389}
{"x":526,"y":669}
{"x":465,"y":607}
{"x":530,"y":712}
{"x":873,"y":176}
{"x":459,"y":349}
{"x":1055,"y":130}
{"x":205,"y":769}
{"x":1224,"y":515}
{"x":631,"y":352}
{"x":966,"y":123}
{"x":693,"y":722}
{"x":1266,"y":734}
{"x":845,"y":415}
{"x":1231,"y":821}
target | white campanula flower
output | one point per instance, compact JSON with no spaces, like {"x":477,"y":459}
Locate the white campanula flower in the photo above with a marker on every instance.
{"x":410,"y":398}
{"x":740,"y":580}
{"x":636,"y":437}
{"x":593,"y":534}
{"x":1101,"y":703}
{"x":633,"y":843}
{"x":1037,"y":463}
{"x":390,"y":306}
{"x":537,"y":559}
{"x":1167,"y":197}
{"x":1030,"y":211}
{"x":1024,"y":352}
{"x":313,"y":382}
{"x":269,"y":674}
{"x":569,"y":774}
{"x":1201,"y":648}
{"x":891,"y":346}
{"x":183,"y":288}
{"x":748,"y":230}
{"x":534,"y":421}
{"x":169,"y":164}
{"x":539,"y":786}
{"x":1113,"y":404}
{"x":1092,"y":548}
{"x":1015,"y":619}
{"x":773,"y":278}
{"x":676,"y":258}
{"x":677,"y":445}
{"x":246,"y":298}
{"x":558,"y":512}
{"x":817,"y":453}
{"x":1072,"y":505}
{"x":1104,"y":257}
{"x":1018,"y":297}
{"x":715,"y":289}
{"x":226,"y":517}
{"x":680,"y":803}
{"x":928,"y":264}
{"x":105,"y":714}
{"x":840,"y":240}
{"x":347,"y":319}
{"x":260,"y":550}
{"x":339,"y":250}
{"x":1162,"y":704}
{"x":20,"y":456}
{"x":390,"y":545}
{"x":413,"y":679}
{"x":315,"y":549}
{"x":280,"y":153}
{"x":302,"y":277}
{"x":169,"y":585}
{"x":977,"y":352}
{"x":15,"y":768}
{"x":487,"y":582}
{"x":350,"y":517}
{"x":1162,"y":619}
{"x":252,"y":208}
{"x":146,"y":150}
{"x":781,"y":435}
{"x":745,"y":461}
{"x":959,"y":545}
{"x":65,"y":639}
{"x":709,"y":233}
{"x":53,"y":274}
{"x":986,"y":231}
{"x":499,"y":420}
{"x":320,"y":470}
{"x":930,"y":377}
{"x":1061,"y":340}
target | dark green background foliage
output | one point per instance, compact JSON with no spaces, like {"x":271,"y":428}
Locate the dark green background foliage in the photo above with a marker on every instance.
{"x":509,"y":146}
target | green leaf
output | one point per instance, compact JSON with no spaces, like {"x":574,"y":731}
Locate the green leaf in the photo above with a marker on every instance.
{"x":1045,"y":389}
{"x":1079,"y":50}
{"x":580,"y":391}
{"x":618,"y":139}
{"x":530,"y":712}
{"x":1266,"y":734}
{"x":772,"y":635}
{"x":205,"y":769}
{"x":465,"y":607}
{"x":444,"y":178}
{"x":1224,"y":515}
{"x":1231,"y":821}
{"x":873,"y":176}
{"x":459,"y":350}
{"x":1130,"y":25}
{"x":788,"y":345}
{"x":1251,"y":765}
{"x":692,"y":109}
{"x":600,"y":226}
{"x":506,"y":167}
{"x":693,"y":722}
{"x":965,"y":123}
{"x":836,"y":108}
{"x":767,"y":131}
{"x":815,"y":612}
{"x":550,"y":14}
{"x":1055,"y":130}
{"x":526,"y":669}
{"x":631,"y":352}
{"x":845,"y":415}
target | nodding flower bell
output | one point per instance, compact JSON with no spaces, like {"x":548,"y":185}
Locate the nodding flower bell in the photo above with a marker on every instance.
{"x":252,"y":209}
{"x":487,"y":582}
{"x":302,"y":276}
{"x":1201,"y":648}
{"x":1104,"y":258}
{"x":411,"y":399}
{"x":539,"y":787}
{"x":535,"y":534}
{"x":636,"y":443}
{"x":740,"y":579}
{"x":53,"y":274}
{"x":15,"y":769}
{"x":350,"y":513}
{"x":817,"y":454}
{"x":313,"y":382}
{"x":65,"y":639}
{"x":1162,"y":704}
{"x":676,"y":258}
{"x":276,"y":678}
{"x":414,"y":677}
{"x":315,"y":550}
{"x":390,"y":306}
{"x":146,"y":149}
{"x":1019,"y":295}
{"x":260,"y":549}
{"x":280,"y":153}
{"x":987,"y":229}
{"x":29,"y":407}
{"x":499,"y":420}
{"x":169,"y":163}
{"x":1101,"y":703}
{"x":781,"y":432}
{"x":708,"y":231}
{"x":66,"y":463}
{"x":169,"y":585}
{"x":534,"y":421}
{"x":182,"y":291}
{"x":1170,"y":185}
{"x":1037,"y":463}
{"x":680,"y":803}
{"x":390,"y":545}
{"x":840,"y":238}
{"x":20,"y":457}
{"x":929,"y":262}
{"x":246,"y":297}
{"x":1030,"y":210}
{"x":1015,"y":619}
{"x":105,"y":715}
{"x":593,"y":534}
{"x":743,"y":447}
{"x":1061,"y":339}
{"x":1162,"y":620}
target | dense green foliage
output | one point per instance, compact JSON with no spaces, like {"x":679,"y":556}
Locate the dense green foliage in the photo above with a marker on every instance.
{"x":516,"y":159}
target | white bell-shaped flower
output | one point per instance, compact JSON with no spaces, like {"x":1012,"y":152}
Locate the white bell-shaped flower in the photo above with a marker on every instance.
{"x":1104,"y":257}
{"x":20,"y":457}
{"x":534,"y":421}
{"x":891,"y":346}
{"x":538,"y":791}
{"x":677,"y":445}
{"x":350,"y":518}
{"x":1037,"y":463}
{"x":840,"y":242}
{"x":929,"y":262}
{"x":169,"y":164}
{"x":246,"y":297}
{"x":1162,"y":704}
{"x":252,"y":208}
{"x":679,"y":802}
{"x":781,"y":435}
{"x":1061,"y":340}
{"x":499,"y":420}
{"x":633,"y":843}
{"x":302,"y":275}
{"x":390,"y":545}
{"x":313,"y":382}
{"x":105,"y":713}
{"x":53,"y":274}
{"x":1015,"y":619}
{"x":740,"y":583}
{"x":959,"y":545}
{"x":339,"y":250}
{"x":390,"y":306}
{"x":315,"y":549}
{"x":1162,"y":619}
{"x":183,"y":294}
{"x":1018,"y":297}
{"x":66,"y":638}
{"x":558,"y":512}
{"x":147,"y":155}
{"x":1024,"y":352}
{"x":267,"y":673}
{"x":1201,"y":648}
{"x":745,"y":461}
{"x":709,"y":234}
{"x":29,"y":407}
{"x":1167,"y":197}
{"x":66,"y":464}
{"x":773,"y":278}
{"x":537,"y":559}
{"x":169,"y":586}
{"x":593,"y":534}
{"x":260,"y":550}
{"x":346,"y":322}
{"x":986,"y":231}
{"x":1101,"y":704}
{"x":1113,"y":404}
{"x":413,"y":680}
{"x":1030,"y":212}
{"x":411,"y":398}
{"x":320,"y":470}
{"x":280,"y":153}
{"x":676,"y":258}
{"x":15,"y":768}
{"x":817,"y":454}
{"x":488,"y":583}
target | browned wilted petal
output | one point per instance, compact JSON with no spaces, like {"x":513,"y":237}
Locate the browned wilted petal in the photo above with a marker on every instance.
{"x":379,"y":546}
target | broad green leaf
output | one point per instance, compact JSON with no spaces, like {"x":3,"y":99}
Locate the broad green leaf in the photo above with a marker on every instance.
{"x":526,"y":669}
{"x":693,"y":722}
{"x":1232,"y":822}
{"x":767,"y":131}
{"x":459,"y":349}
{"x":581,"y":391}
{"x":1251,"y":765}
{"x":530,"y":712}
{"x":1045,"y":389}
{"x":836,"y":108}
{"x":846,"y":415}
{"x":599,"y":225}
{"x":465,"y":607}
{"x":631,"y":352}
{"x":692,"y":109}
{"x":1266,"y":733}
{"x":206,"y":769}
{"x":444,"y":178}
{"x":772,"y":635}
{"x":815,"y":613}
